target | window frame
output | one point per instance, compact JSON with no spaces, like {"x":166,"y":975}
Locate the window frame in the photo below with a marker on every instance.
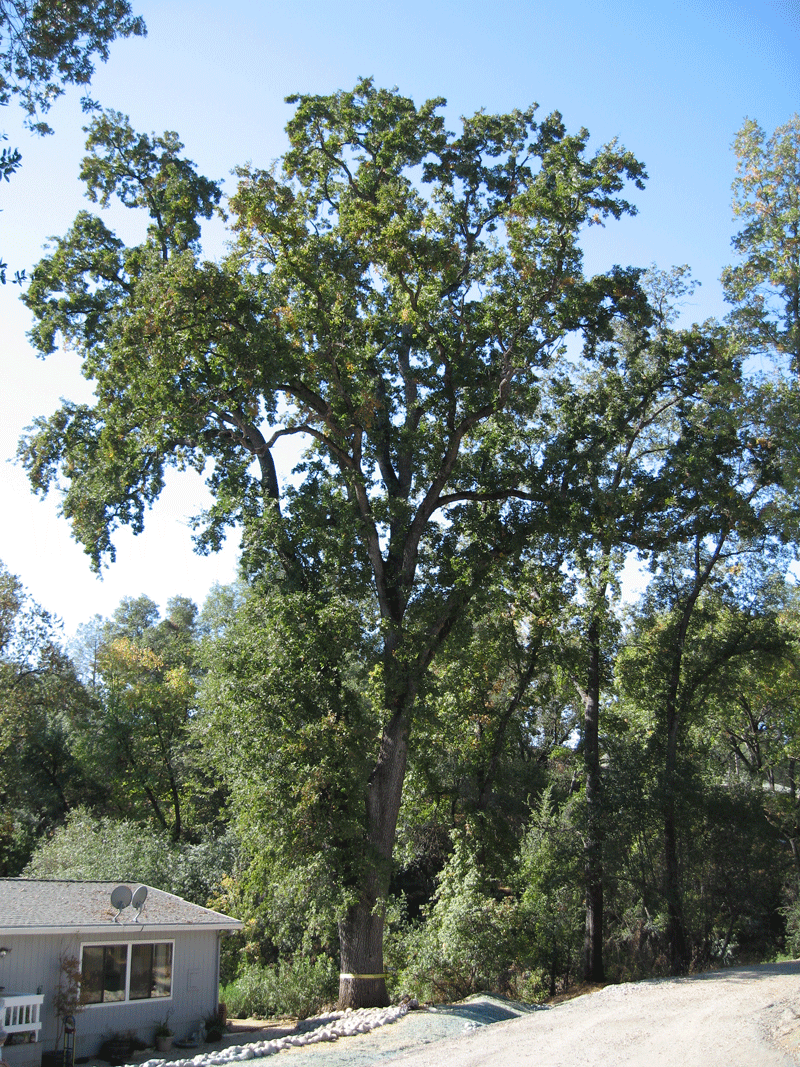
{"x":129,"y":945}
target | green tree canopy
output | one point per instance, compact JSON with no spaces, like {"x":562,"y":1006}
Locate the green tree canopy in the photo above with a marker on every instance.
{"x":47,"y":44}
{"x":140,"y":743}
{"x":88,"y":848}
{"x":764,"y":285}
{"x":398,"y":299}
{"x":43,"y":706}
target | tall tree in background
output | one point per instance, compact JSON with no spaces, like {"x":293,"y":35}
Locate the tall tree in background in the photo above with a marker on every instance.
{"x":765,"y":285}
{"x":43,"y":708}
{"x":490,"y":713}
{"x":754,"y":709}
{"x":138,"y":742}
{"x":616,"y":426}
{"x":683,"y":666}
{"x":397,"y":299}
{"x":728,"y":505}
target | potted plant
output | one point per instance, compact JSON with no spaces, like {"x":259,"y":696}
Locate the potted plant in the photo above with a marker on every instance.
{"x":164,"y":1035}
{"x":215,"y":1027}
{"x":116,"y":1049}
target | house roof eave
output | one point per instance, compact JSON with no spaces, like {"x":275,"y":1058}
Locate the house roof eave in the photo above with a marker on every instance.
{"x":107,"y":928}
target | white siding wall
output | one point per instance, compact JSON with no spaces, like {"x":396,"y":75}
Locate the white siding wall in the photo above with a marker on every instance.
{"x":33,"y":962}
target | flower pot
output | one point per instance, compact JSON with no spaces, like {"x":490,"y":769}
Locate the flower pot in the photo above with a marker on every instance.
{"x":164,"y":1042}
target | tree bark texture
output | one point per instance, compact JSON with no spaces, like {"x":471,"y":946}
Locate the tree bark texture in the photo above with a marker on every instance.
{"x":361,"y":981}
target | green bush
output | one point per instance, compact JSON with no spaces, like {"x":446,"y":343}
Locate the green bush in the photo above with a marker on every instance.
{"x":550,"y":891}
{"x":91,"y":848}
{"x":791,"y":913}
{"x":470,"y":941}
{"x":298,"y":987}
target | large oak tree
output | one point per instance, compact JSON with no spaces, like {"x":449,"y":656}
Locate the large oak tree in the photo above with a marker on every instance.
{"x":397,"y":299}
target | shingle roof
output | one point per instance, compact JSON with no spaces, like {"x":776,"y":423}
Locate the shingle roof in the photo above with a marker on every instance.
{"x":31,"y":906}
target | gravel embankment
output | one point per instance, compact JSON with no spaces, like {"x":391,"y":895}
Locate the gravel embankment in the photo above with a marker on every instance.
{"x":741,"y":1017}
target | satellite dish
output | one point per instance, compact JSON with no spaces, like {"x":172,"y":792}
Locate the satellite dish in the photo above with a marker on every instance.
{"x":139,"y":897}
{"x":120,"y":899}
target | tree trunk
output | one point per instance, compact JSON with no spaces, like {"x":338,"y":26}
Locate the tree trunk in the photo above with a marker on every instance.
{"x":677,"y":944}
{"x":593,"y":970}
{"x":362,"y":982}
{"x":676,"y":929}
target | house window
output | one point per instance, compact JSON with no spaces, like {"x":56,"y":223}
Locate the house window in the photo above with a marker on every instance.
{"x":134,"y":971}
{"x":151,"y":971}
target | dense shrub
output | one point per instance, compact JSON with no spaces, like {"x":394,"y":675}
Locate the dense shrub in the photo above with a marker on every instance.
{"x":471,"y":939}
{"x":298,"y":987}
{"x":549,"y":883}
{"x":87,"y":848}
{"x":791,"y":913}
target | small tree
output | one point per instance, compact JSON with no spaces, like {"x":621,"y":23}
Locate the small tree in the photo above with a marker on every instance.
{"x":67,"y":997}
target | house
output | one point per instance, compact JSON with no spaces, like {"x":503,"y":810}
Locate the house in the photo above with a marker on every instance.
{"x":143,"y":954}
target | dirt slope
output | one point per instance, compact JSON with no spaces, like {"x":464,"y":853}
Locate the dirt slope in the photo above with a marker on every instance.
{"x":742,"y":1017}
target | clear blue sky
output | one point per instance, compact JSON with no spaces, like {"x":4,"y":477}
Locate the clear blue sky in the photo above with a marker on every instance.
{"x":672,"y":81}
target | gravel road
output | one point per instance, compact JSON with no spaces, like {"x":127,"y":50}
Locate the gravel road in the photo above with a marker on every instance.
{"x":739,"y":1017}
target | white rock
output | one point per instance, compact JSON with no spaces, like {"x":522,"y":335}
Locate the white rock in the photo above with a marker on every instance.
{"x":337,"y":1024}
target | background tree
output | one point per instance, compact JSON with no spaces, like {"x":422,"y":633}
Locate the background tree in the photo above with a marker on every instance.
{"x":690,"y":636}
{"x":753,"y":708}
{"x":43,"y":708}
{"x":396,"y":298}
{"x":489,"y":714}
{"x":141,"y":743}
{"x":552,"y":889}
{"x":87,"y":847}
{"x":612,"y":422}
{"x":765,"y":285}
